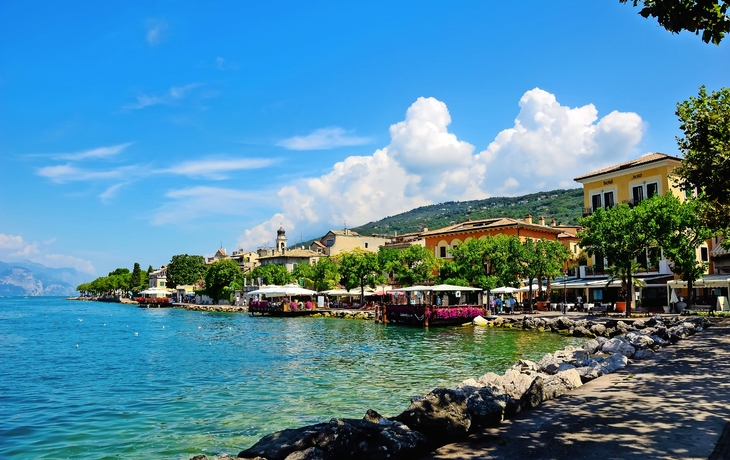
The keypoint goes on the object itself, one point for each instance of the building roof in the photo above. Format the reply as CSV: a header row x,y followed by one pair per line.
x,y
293,253
343,233
489,224
642,160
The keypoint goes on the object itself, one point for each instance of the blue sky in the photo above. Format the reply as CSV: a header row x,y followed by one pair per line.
x,y
134,131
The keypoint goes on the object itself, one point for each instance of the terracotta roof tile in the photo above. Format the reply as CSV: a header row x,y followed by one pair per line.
x,y
644,159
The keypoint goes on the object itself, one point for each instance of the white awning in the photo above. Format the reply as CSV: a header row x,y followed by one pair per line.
x,y
706,281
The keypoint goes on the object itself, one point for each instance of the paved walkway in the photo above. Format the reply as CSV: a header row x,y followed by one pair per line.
x,y
676,406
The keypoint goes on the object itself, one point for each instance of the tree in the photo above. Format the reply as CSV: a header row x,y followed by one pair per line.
x,y
359,268
705,122
417,266
489,262
621,233
221,275
390,261
272,274
303,274
184,269
680,229
707,16
325,274
138,279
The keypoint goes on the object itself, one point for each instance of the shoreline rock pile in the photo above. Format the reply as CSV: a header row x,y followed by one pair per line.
x,y
446,415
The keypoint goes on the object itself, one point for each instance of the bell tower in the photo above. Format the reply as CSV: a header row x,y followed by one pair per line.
x,y
281,240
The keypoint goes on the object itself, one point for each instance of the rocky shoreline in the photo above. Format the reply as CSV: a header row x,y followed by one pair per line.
x,y
445,415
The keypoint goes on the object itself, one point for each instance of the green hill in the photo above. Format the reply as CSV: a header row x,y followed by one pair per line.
x,y
565,206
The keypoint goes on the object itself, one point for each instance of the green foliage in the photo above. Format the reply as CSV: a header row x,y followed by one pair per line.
x,y
543,259
184,269
565,206
221,275
325,274
117,283
138,280
707,16
417,266
622,233
680,229
272,274
486,263
705,122
303,272
359,268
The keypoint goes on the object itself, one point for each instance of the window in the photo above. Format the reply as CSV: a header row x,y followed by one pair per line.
x,y
652,189
637,194
596,201
602,200
704,255
608,200
162,283
366,245
330,242
442,251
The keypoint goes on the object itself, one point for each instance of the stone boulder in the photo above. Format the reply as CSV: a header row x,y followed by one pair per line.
x,y
343,438
441,415
560,383
617,345
487,406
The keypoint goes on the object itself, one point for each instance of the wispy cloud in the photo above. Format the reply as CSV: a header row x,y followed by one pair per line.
x,y
174,96
111,191
218,169
156,31
99,152
323,139
195,202
68,173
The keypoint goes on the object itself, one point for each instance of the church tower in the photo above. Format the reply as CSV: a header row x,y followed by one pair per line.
x,y
281,240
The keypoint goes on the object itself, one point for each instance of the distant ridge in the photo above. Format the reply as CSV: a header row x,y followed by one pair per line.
x,y
563,205
33,279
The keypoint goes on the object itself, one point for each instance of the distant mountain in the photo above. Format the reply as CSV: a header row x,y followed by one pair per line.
x,y
32,279
565,206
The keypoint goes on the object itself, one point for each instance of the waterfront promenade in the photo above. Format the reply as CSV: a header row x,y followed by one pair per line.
x,y
675,406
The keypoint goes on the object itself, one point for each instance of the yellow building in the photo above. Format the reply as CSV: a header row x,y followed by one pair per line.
x,y
630,183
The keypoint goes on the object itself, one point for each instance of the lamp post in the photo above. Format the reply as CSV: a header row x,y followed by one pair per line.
x,y
565,292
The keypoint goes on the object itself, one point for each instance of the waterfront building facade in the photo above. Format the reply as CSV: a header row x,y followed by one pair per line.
x,y
337,241
630,183
158,278
442,240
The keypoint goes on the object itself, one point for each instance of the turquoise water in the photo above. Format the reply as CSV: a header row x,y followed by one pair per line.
x,y
95,380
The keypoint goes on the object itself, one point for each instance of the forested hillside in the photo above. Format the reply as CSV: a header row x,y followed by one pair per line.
x,y
565,206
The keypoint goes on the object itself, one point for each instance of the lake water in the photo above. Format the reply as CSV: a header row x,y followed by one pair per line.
x,y
88,380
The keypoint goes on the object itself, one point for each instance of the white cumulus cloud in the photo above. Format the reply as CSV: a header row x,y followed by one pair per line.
x,y
424,163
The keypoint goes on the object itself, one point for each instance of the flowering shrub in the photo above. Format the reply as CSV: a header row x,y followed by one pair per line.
x,y
150,300
466,312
